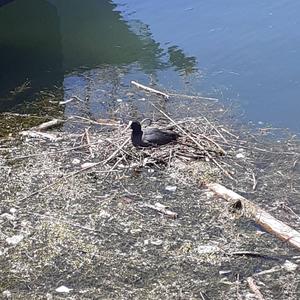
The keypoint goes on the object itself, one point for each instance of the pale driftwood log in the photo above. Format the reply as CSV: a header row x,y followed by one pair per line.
x,y
261,217
49,124
149,89
163,209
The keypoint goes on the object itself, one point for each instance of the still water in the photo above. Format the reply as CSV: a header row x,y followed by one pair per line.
x,y
247,52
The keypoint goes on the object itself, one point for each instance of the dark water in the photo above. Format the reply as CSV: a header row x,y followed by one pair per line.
x,y
243,51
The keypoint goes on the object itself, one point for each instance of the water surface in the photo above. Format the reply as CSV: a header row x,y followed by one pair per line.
x,y
246,52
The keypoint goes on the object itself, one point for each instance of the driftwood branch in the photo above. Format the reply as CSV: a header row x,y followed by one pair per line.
x,y
261,217
149,89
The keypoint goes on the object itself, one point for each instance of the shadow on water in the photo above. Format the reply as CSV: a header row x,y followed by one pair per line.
x,y
30,50
53,38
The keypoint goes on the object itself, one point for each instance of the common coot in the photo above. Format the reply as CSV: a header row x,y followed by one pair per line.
x,y
150,136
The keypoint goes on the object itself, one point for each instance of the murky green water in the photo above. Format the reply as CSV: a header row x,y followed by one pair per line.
x,y
245,52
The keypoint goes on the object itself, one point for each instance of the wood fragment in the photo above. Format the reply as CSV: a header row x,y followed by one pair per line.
x,y
254,288
149,89
49,124
38,134
163,209
88,141
261,217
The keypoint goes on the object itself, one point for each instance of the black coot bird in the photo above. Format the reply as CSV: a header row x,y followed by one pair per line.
x,y
151,136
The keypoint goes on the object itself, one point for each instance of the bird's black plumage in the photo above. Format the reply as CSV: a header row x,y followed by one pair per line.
x,y
151,136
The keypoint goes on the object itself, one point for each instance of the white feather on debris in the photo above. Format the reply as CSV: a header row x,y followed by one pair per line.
x,y
63,289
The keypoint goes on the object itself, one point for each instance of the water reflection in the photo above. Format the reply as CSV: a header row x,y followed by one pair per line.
x,y
30,50
54,38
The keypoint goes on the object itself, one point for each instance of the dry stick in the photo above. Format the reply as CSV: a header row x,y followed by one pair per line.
x,y
148,89
70,100
229,133
270,271
194,97
254,288
78,99
238,295
202,297
216,129
93,122
195,141
78,171
49,124
254,182
163,209
213,142
261,217
88,140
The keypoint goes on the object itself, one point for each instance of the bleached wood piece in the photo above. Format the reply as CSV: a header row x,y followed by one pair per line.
x,y
149,89
49,124
261,217
38,134
163,209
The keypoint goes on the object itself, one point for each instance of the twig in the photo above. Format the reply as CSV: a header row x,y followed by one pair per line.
x,y
163,209
213,142
94,122
88,140
148,89
49,124
202,297
216,129
70,100
78,99
229,133
194,97
254,288
270,271
194,140
254,182
238,295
